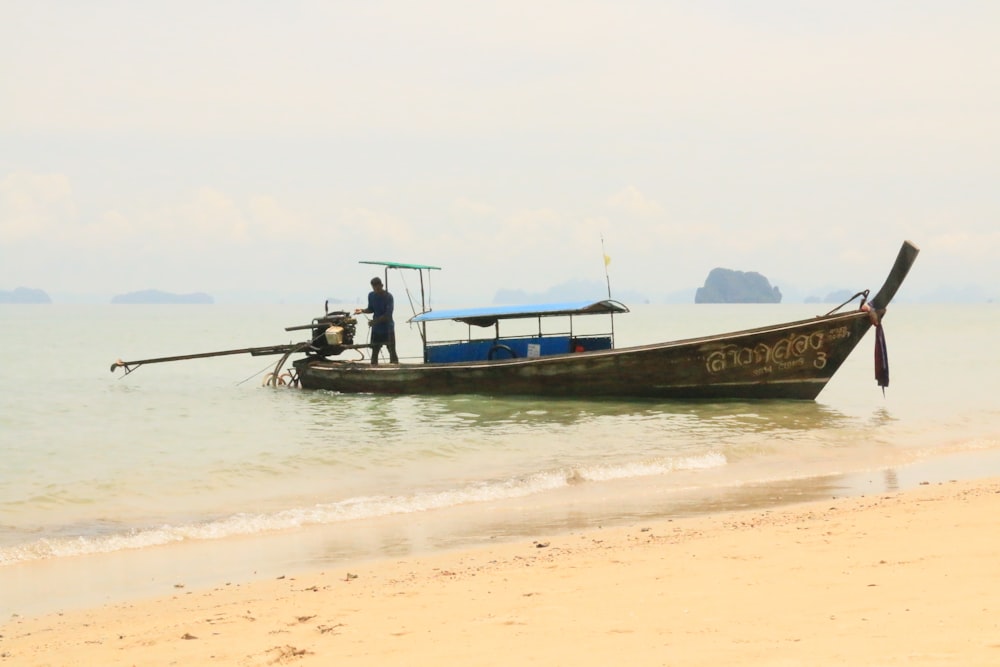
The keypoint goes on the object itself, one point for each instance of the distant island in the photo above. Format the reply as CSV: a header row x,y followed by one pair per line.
x,y
728,286
839,296
24,295
152,296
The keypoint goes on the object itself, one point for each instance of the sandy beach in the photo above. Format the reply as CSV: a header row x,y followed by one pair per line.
x,y
903,578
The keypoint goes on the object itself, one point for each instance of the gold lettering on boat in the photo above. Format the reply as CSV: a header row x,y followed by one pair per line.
x,y
838,333
763,358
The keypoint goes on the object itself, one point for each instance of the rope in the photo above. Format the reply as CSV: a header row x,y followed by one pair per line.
x,y
247,379
409,296
298,349
863,294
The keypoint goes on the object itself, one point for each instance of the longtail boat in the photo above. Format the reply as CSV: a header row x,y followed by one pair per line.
x,y
791,360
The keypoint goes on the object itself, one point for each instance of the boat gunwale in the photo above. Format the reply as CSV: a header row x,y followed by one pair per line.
x,y
337,364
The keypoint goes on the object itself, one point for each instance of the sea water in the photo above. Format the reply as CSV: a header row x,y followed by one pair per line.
x,y
193,471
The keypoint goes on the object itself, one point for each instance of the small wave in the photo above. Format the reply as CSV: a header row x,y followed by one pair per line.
x,y
646,469
352,509
981,444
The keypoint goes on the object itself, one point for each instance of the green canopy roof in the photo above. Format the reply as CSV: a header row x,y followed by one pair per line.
x,y
401,265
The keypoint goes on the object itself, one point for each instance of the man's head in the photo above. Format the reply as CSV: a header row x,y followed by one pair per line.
x,y
377,284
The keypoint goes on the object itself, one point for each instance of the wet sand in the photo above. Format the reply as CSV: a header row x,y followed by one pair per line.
x,y
902,577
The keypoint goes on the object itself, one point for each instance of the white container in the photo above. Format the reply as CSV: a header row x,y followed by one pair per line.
x,y
334,335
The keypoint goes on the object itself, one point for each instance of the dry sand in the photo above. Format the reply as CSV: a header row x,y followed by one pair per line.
x,y
907,578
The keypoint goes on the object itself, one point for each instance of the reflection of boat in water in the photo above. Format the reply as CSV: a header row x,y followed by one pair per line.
x,y
792,360
716,420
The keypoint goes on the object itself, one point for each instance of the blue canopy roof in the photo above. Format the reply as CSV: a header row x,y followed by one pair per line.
x,y
489,315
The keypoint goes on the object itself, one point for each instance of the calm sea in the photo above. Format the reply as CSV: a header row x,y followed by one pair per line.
x,y
193,473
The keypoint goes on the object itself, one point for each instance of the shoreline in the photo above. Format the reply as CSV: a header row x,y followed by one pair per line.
x,y
66,584
850,580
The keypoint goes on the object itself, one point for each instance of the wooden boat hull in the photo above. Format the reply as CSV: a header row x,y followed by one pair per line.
x,y
794,360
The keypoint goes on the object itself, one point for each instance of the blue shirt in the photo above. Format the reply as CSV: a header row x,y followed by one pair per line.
x,y
381,306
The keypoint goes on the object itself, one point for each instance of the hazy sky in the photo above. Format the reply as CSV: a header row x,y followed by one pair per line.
x,y
249,145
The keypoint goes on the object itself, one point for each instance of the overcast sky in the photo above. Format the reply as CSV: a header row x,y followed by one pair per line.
x,y
254,145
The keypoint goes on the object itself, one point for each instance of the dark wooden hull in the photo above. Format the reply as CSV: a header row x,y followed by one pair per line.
x,y
794,360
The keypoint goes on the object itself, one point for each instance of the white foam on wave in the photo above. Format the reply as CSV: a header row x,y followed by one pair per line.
x,y
351,509
659,467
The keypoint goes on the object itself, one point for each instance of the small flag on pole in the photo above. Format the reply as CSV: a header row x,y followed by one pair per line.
x,y
607,260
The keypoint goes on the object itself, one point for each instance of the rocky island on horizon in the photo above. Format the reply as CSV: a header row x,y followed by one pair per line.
x,y
728,286
24,295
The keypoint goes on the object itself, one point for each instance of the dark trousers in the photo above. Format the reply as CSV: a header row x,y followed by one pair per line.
x,y
382,339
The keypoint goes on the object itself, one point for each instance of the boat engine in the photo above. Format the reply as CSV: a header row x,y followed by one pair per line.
x,y
332,332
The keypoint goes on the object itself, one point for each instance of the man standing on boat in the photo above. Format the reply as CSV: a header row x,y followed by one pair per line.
x,y
380,305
